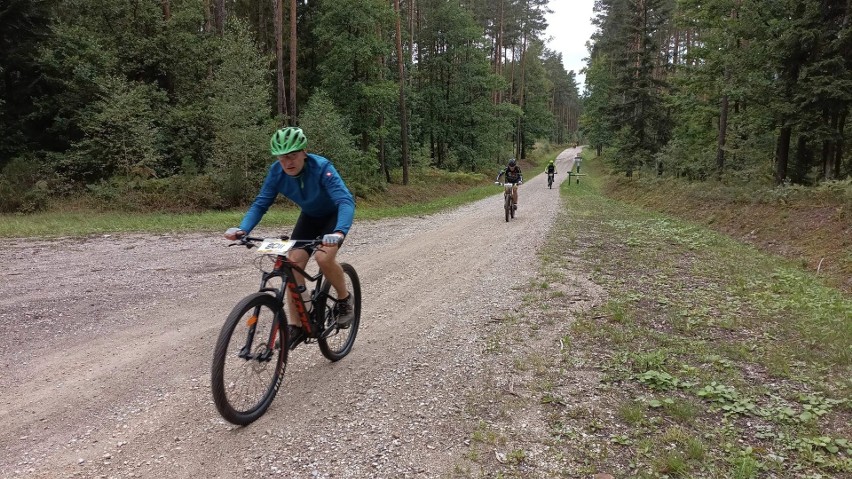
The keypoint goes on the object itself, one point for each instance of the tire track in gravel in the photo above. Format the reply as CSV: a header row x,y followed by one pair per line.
x,y
108,374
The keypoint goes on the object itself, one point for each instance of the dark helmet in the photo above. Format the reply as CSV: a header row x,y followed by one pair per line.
x,y
512,162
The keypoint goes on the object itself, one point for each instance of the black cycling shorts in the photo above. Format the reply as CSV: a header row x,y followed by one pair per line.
x,y
312,227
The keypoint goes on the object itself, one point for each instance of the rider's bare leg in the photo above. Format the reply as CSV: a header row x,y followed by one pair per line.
x,y
326,257
515,193
300,257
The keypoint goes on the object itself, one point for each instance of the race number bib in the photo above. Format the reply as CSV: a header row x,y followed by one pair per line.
x,y
275,246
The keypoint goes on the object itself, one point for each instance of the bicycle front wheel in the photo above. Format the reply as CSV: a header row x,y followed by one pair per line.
x,y
249,362
507,205
338,342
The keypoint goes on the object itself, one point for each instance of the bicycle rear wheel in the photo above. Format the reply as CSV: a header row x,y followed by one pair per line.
x,y
338,341
248,362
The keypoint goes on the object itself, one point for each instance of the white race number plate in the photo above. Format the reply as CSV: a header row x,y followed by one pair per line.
x,y
275,246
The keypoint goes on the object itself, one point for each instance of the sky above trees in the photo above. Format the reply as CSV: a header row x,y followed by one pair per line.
x,y
570,27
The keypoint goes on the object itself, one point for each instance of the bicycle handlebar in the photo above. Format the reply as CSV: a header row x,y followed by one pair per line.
x,y
251,241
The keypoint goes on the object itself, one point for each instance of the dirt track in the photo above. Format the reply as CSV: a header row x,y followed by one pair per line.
x,y
107,343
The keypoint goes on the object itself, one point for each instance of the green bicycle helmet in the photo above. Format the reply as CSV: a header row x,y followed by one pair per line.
x,y
287,140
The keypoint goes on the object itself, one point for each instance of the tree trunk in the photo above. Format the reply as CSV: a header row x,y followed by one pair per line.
x,y
838,149
219,16
512,98
167,10
720,145
802,160
826,158
782,154
278,22
166,74
208,16
294,38
826,154
521,99
383,161
723,119
676,49
498,53
403,114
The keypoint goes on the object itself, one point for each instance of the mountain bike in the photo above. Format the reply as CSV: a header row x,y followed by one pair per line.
x,y
250,356
550,180
509,205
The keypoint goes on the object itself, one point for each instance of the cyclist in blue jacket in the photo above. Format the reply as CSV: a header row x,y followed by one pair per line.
x,y
327,210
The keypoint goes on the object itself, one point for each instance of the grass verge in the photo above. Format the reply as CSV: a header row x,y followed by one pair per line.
x,y
810,225
431,191
654,347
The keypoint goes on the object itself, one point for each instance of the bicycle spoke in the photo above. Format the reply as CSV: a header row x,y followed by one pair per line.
x,y
246,372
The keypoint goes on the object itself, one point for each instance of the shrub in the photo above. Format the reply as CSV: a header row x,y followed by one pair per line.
x,y
22,189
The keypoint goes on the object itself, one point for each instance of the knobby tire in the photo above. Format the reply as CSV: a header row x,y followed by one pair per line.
x,y
243,389
507,205
339,343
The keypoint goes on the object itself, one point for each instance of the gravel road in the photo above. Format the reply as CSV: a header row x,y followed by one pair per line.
x,y
107,342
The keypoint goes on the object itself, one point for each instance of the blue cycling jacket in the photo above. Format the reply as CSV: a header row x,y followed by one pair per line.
x,y
318,190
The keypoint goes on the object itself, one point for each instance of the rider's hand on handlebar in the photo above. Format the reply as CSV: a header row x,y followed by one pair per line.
x,y
234,234
332,239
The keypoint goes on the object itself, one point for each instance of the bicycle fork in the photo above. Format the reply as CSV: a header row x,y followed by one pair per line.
x,y
266,353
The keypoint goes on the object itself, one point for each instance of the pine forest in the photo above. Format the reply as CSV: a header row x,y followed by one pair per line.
x,y
179,97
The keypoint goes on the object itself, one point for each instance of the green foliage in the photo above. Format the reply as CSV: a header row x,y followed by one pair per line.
x,y
22,189
597,125
727,398
177,193
328,136
565,100
240,97
538,118
120,131
352,35
100,92
24,25
750,312
763,96
459,119
659,380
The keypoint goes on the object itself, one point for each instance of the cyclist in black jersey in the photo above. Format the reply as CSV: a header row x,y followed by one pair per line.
x,y
551,168
514,176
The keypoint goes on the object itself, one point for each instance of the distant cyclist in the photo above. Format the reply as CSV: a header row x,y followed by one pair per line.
x,y
551,168
514,176
551,172
328,209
